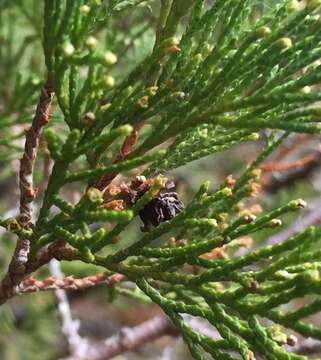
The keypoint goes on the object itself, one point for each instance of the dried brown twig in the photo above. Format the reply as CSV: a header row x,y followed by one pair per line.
x,y
56,250
18,266
69,282
291,145
81,348
282,167
27,190
129,339
78,346
125,150
278,173
285,178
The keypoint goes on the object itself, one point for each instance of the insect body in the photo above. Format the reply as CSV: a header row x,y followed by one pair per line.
x,y
163,207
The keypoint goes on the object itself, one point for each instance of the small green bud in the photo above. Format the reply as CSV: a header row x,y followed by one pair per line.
x,y
254,137
203,133
284,43
152,90
306,90
256,173
277,334
143,102
275,223
313,4
212,223
222,216
109,81
109,58
94,195
126,129
263,32
249,218
170,41
85,9
90,42
298,204
293,5
198,57
161,152
88,118
68,49
160,182
310,276
35,81
227,192
250,355
12,224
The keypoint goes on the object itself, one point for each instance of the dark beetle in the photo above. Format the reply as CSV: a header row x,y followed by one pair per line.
x,y
165,206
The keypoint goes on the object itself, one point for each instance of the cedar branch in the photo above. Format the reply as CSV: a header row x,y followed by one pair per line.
x,y
18,265
69,282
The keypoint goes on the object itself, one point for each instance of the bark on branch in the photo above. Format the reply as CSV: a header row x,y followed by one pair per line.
x,y
18,266
68,283
41,118
129,339
56,250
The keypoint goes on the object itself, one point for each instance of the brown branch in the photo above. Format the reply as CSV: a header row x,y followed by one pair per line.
x,y
276,166
56,250
129,339
41,118
18,265
125,150
68,283
291,145
273,183
70,327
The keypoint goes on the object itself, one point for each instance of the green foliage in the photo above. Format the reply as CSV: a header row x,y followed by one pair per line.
x,y
218,74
